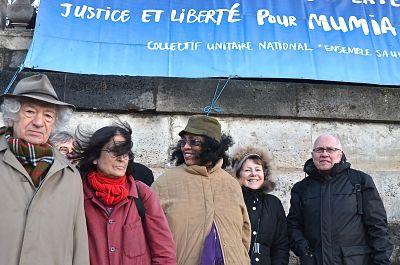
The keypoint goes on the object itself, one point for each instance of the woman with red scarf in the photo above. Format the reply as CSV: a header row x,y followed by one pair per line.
x,y
114,203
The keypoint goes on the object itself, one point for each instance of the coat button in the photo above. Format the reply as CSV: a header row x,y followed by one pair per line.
x,y
257,259
112,249
254,208
110,221
254,232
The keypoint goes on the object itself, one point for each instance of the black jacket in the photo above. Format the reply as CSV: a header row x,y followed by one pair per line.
x,y
271,233
324,223
143,173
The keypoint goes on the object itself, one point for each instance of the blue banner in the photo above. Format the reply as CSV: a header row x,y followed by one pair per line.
x,y
337,40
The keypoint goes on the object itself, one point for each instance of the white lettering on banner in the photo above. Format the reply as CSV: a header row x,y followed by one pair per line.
x,y
387,54
340,24
286,21
347,50
157,15
228,46
174,46
283,46
205,16
373,2
89,12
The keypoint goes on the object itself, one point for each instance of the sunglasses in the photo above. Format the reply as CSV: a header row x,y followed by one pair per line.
x,y
190,142
126,156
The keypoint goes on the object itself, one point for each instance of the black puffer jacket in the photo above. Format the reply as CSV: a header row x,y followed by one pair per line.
x,y
271,233
324,221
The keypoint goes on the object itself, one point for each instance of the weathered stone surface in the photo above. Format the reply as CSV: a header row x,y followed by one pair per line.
x,y
15,40
101,92
110,92
239,96
17,58
349,101
260,99
3,60
395,236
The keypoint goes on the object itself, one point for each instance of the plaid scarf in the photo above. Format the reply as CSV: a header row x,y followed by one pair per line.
x,y
36,158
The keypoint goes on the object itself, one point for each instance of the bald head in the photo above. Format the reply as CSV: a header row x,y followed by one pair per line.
x,y
327,151
329,137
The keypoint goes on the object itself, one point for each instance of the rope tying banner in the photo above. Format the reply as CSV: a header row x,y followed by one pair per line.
x,y
212,107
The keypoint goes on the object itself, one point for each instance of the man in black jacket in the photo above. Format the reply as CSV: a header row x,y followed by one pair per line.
x,y
336,215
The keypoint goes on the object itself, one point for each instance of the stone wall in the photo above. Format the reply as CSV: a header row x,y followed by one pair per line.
x,y
284,116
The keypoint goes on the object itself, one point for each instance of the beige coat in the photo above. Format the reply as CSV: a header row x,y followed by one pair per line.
x,y
193,199
43,227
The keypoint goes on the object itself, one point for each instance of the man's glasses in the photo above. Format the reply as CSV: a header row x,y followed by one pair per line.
x,y
64,150
329,150
126,156
191,142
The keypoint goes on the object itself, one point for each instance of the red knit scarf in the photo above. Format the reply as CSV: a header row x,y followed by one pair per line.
x,y
109,190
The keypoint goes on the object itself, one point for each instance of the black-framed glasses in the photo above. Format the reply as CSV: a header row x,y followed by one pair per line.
x,y
191,142
126,156
329,150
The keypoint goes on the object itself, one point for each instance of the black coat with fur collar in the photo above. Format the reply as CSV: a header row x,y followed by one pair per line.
x,y
268,226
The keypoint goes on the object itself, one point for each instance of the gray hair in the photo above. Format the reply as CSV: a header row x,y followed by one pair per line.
x,y
11,106
61,137
338,143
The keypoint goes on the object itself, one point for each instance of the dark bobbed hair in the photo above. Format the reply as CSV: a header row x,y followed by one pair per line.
x,y
211,151
88,147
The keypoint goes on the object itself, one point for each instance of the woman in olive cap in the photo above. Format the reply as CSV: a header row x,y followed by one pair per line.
x,y
203,203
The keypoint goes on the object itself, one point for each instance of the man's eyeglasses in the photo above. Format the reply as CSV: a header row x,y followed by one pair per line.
x,y
329,150
126,156
64,150
191,142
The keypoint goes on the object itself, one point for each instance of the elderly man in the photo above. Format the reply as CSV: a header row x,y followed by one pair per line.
x,y
336,215
42,215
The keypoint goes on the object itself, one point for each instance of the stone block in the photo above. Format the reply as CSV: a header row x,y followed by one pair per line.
x,y
184,95
289,148
15,40
16,59
239,96
348,101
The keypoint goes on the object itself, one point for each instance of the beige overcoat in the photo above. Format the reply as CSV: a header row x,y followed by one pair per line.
x,y
44,226
193,199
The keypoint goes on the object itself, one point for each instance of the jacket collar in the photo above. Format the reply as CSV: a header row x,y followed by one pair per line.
x,y
312,171
252,193
202,170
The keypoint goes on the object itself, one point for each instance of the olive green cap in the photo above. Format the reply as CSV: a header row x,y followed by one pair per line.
x,y
203,125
